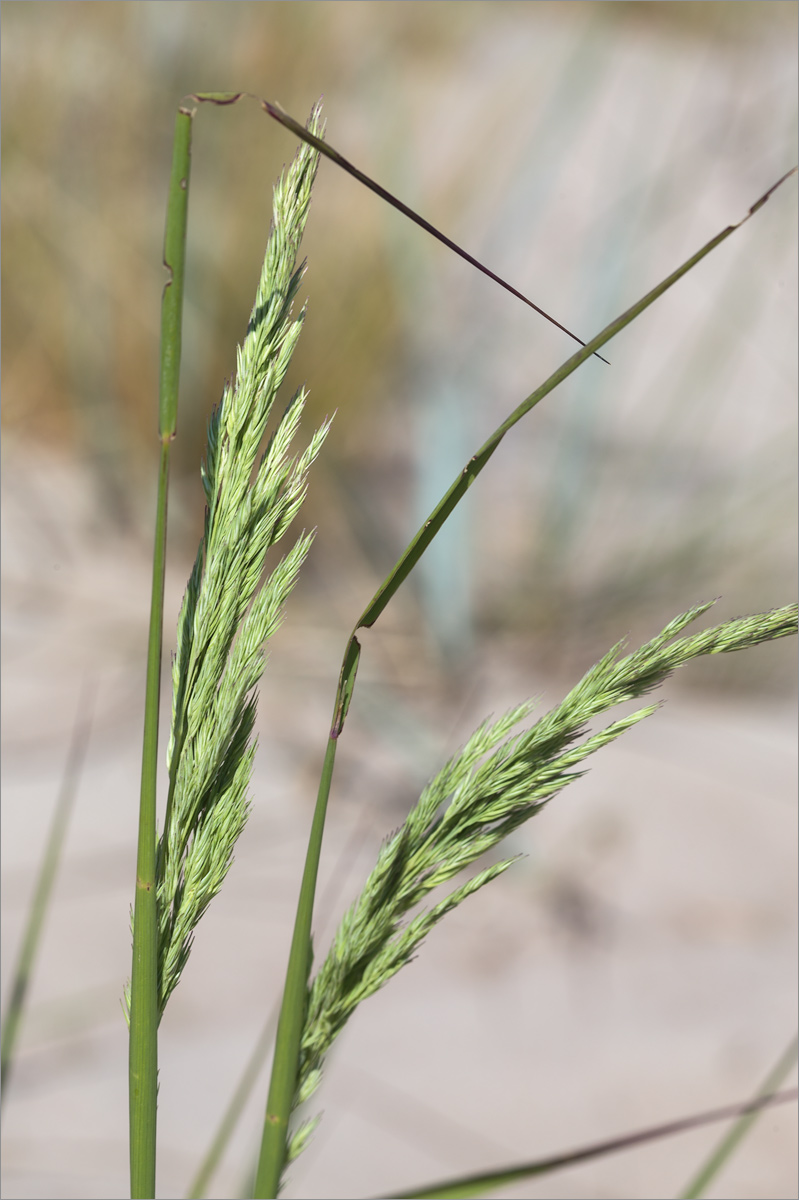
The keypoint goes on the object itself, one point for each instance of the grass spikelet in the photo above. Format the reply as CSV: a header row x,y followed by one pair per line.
x,y
230,608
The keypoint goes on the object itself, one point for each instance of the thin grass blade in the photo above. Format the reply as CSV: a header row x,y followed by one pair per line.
x,y
467,476
20,980
490,1181
282,117
274,1148
264,1044
734,1136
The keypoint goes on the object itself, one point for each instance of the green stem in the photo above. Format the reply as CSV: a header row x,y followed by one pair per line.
x,y
144,998
199,1184
327,904
143,1060
283,1083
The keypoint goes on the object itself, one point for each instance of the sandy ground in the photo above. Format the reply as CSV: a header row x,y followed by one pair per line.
x,y
637,965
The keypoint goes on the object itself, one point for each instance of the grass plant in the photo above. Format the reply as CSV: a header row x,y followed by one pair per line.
x,y
497,781
508,770
229,612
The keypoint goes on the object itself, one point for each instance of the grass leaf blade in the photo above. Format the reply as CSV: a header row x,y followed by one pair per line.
x,y
467,476
723,1151
489,1181
31,937
282,117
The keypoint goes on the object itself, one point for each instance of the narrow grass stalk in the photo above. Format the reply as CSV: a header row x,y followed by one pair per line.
x,y
285,1067
31,937
286,1064
734,1136
144,1011
228,615
489,1181
496,783
457,490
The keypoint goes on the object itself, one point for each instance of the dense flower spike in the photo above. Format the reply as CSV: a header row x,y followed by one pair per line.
x,y
230,610
493,785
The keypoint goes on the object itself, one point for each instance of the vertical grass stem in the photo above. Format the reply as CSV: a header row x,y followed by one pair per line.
x,y
285,1068
143,1057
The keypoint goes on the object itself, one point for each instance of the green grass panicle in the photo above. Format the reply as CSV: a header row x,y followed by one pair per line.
x,y
230,609
492,786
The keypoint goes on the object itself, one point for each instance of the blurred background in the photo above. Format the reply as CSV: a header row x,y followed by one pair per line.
x,y
582,151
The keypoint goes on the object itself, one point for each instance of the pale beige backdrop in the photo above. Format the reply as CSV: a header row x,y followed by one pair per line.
x,y
639,962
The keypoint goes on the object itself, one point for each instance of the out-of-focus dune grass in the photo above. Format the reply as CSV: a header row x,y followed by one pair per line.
x,y
581,150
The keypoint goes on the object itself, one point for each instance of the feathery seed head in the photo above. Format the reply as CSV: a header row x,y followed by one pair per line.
x,y
231,608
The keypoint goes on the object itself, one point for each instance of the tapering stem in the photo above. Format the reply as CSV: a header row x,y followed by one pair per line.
x,y
285,1068
143,1058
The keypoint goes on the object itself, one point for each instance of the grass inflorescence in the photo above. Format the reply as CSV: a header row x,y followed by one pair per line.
x,y
231,608
493,785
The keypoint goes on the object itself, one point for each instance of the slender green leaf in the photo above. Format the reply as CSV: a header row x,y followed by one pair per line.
x,y
735,1135
264,1044
31,937
274,1151
490,1181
